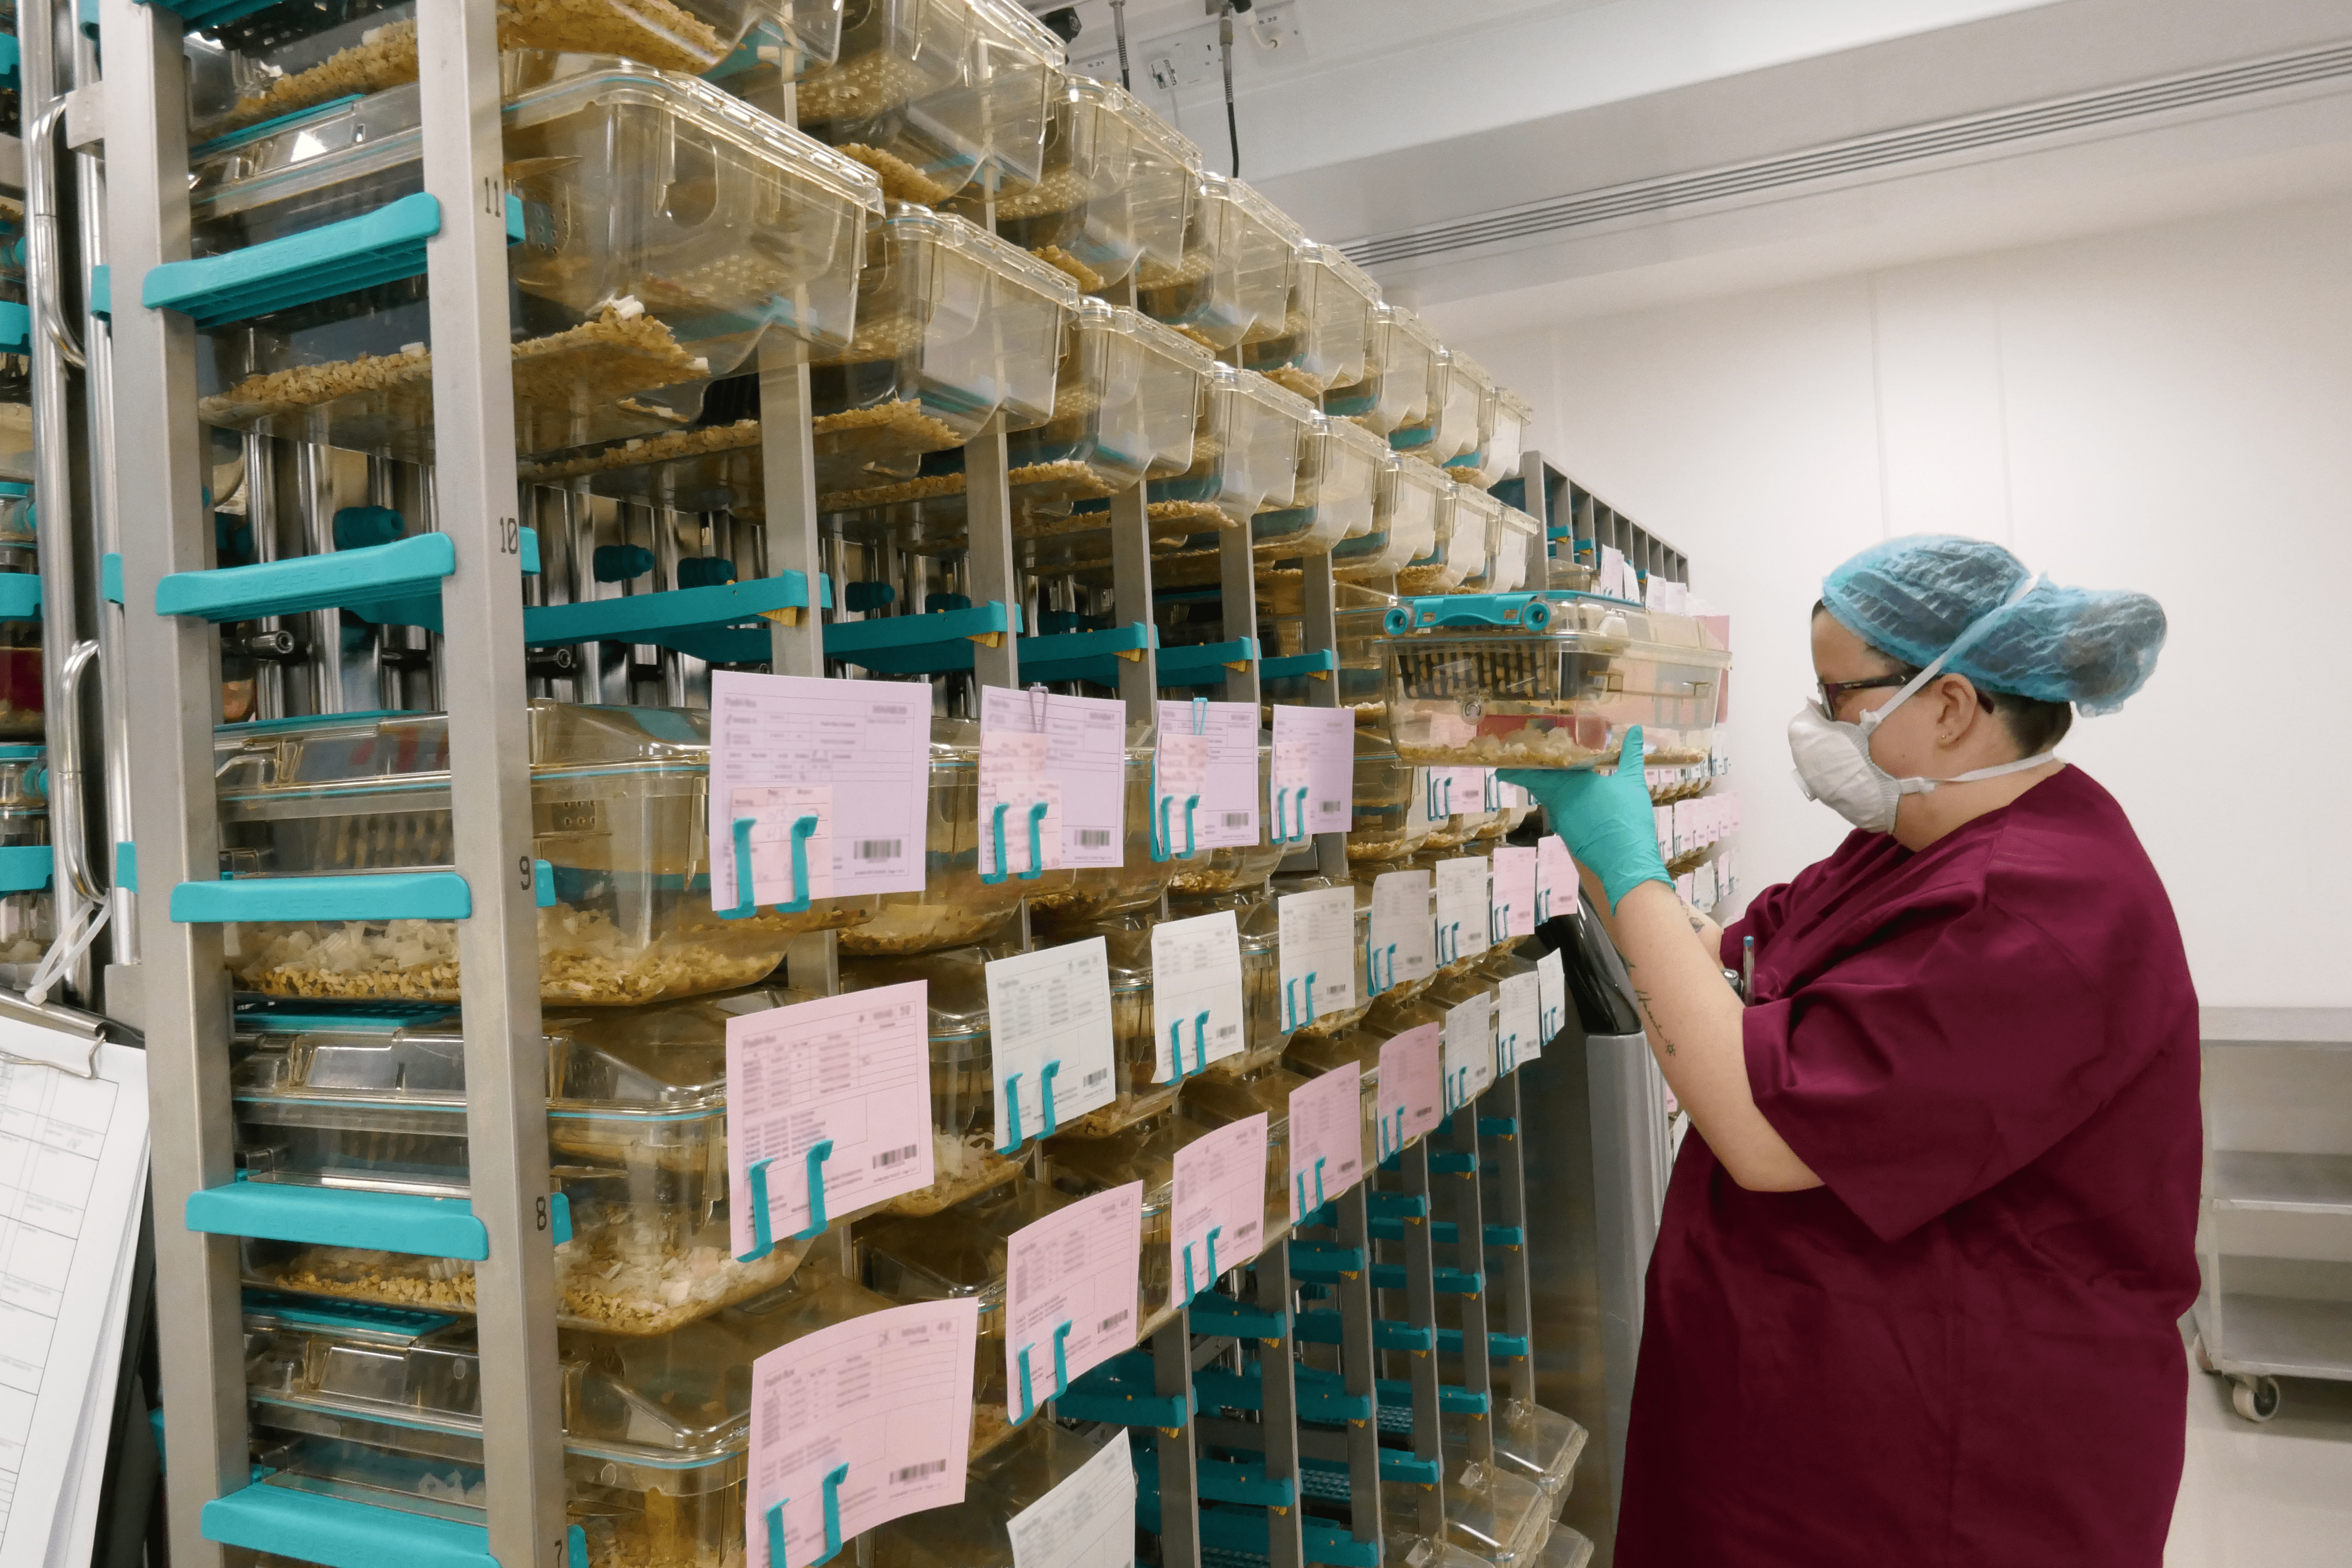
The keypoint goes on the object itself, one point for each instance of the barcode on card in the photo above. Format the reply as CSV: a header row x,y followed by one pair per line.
x,y
1094,837
1332,806
1114,1320
877,848
1225,1031
1237,818
894,1156
917,1472
1095,1077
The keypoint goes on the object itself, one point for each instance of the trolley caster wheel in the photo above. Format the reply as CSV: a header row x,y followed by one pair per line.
x,y
2254,1398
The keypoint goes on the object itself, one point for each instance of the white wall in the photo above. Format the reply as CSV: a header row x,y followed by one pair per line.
x,y
2167,409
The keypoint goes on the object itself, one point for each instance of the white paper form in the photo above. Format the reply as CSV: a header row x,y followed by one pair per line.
x,y
1556,884
1314,770
1411,1088
1087,1521
851,1072
1518,1021
1314,941
1070,1285
1469,1055
865,744
1196,993
1551,997
883,1402
1461,922
1049,1033
1227,814
1326,1139
1512,898
1086,760
1217,1204
1018,805
73,1167
1401,948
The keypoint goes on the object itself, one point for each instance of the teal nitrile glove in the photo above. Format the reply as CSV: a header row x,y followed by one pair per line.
x,y
1604,818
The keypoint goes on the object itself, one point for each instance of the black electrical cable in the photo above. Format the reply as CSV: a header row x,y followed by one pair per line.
x,y
1119,27
1226,48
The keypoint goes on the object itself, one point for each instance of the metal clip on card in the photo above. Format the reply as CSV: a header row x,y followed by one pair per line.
x,y
833,1479
745,904
1061,1372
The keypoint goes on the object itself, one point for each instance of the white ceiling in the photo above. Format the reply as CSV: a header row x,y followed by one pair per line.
x,y
1375,118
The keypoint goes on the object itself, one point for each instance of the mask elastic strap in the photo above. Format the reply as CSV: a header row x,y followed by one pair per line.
x,y
1922,787
1968,636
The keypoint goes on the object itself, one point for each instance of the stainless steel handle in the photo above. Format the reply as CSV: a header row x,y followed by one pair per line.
x,y
41,261
68,828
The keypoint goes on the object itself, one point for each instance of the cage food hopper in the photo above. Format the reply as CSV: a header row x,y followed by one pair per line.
x,y
620,820
385,1405
1232,282
953,326
1125,403
658,229
374,1098
1459,550
956,906
1400,356
296,55
1549,680
1078,209
902,96
1406,505
965,1159
28,903
1248,443
1327,327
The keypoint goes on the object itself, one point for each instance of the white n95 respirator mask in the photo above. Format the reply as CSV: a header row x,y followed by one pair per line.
x,y
1833,762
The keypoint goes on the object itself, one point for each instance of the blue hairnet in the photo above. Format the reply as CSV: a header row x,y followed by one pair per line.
x,y
1913,597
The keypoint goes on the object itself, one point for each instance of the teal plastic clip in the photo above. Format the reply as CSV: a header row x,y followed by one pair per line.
x,y
833,1479
1036,844
1200,1046
1061,1372
1013,1103
1305,1209
542,884
1291,1019
756,1173
1387,1145
1454,929
1163,840
1282,833
1210,1242
1543,905
1499,923
745,905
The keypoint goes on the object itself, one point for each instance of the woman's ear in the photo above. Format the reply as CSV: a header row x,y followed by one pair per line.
x,y
1957,709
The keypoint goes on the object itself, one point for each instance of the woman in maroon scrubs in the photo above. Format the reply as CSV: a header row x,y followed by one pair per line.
x,y
1915,1296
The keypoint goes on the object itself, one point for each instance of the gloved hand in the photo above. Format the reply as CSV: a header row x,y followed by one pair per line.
x,y
1605,818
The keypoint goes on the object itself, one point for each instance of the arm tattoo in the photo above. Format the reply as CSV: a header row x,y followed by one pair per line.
x,y
1643,997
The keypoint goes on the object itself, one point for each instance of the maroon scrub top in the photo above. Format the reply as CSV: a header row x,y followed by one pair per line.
x,y
1962,1348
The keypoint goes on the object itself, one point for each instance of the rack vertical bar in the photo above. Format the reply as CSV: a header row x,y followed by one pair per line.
x,y
1130,583
489,781
987,554
1180,1487
1470,1257
1421,1311
186,1000
1278,1388
1516,1290
1359,1366
1320,628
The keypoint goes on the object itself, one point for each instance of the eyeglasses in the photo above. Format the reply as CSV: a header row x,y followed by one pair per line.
x,y
1833,691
